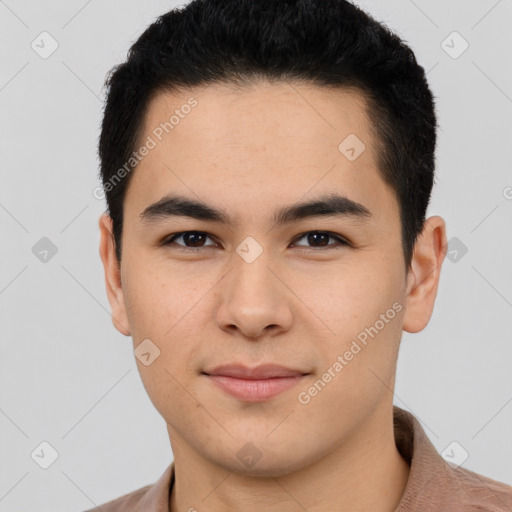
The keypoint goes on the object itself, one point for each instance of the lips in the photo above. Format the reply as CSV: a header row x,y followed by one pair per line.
x,y
265,371
254,384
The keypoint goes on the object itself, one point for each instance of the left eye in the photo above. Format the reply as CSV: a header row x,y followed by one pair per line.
x,y
321,238
197,239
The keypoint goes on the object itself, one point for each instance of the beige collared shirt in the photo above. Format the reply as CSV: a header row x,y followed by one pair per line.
x,y
434,485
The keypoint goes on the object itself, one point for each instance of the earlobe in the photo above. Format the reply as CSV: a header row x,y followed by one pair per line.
x,y
112,275
424,274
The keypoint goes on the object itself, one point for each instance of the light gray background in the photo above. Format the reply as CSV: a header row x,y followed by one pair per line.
x,y
69,378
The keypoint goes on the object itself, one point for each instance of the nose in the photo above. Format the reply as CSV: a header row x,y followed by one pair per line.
x,y
254,302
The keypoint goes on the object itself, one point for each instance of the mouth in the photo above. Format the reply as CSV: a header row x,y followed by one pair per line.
x,y
254,384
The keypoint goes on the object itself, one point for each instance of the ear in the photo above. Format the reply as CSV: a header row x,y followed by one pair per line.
x,y
423,275
112,275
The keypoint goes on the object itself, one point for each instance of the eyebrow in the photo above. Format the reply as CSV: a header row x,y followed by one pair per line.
x,y
327,205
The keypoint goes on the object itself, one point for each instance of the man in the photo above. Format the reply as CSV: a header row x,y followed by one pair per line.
x,y
267,166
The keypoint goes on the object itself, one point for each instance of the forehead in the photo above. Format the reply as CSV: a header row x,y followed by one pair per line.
x,y
257,144
262,114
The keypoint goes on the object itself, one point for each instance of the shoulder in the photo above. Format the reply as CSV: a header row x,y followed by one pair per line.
x,y
129,501
478,493
150,497
436,485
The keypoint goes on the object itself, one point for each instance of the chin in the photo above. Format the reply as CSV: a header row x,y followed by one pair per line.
x,y
267,468
255,461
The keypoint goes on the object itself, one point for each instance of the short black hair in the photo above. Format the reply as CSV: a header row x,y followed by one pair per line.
x,y
329,43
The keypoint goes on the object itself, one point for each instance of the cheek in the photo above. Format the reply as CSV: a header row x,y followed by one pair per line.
x,y
158,299
166,308
358,362
166,387
161,309
345,300
363,310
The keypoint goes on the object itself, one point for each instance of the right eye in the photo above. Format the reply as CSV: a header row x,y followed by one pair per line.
x,y
194,238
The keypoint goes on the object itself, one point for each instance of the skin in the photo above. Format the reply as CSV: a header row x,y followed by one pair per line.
x,y
251,151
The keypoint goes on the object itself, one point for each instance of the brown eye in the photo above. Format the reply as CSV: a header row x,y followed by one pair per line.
x,y
190,239
320,239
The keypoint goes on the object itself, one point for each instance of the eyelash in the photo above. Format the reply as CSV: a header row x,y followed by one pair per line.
x,y
341,241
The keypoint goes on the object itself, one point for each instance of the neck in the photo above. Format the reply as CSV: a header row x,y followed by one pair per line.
x,y
365,472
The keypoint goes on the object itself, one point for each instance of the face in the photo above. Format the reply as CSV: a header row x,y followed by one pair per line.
x,y
293,258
